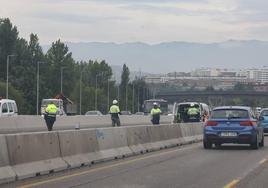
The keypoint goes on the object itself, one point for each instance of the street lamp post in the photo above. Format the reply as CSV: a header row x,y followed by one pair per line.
x,y
37,87
96,93
126,97
108,95
7,74
61,78
80,93
80,90
118,92
138,106
133,95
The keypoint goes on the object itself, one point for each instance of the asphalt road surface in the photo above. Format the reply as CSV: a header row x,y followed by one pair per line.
x,y
187,166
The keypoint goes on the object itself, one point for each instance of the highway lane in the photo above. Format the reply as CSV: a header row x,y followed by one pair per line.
x,y
187,167
257,178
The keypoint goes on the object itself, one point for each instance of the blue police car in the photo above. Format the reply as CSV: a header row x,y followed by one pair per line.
x,y
233,124
263,119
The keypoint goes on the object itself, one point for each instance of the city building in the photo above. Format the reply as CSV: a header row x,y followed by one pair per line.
x,y
259,75
212,77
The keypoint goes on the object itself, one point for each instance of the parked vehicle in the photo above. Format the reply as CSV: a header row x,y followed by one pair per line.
x,y
263,119
93,113
233,124
139,113
149,104
65,105
180,112
57,102
8,108
125,113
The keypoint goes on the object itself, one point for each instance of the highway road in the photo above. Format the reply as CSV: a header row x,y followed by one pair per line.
x,y
187,166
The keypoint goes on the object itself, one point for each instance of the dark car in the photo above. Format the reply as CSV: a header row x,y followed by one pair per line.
x,y
233,124
125,113
263,119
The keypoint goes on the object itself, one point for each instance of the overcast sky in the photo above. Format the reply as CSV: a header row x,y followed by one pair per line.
x,y
151,21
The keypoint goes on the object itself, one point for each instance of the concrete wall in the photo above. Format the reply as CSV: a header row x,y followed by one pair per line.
x,y
28,123
6,172
30,154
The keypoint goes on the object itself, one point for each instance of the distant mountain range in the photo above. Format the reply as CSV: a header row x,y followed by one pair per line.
x,y
174,56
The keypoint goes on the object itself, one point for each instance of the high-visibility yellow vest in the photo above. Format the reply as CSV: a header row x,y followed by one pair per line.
x,y
114,109
51,109
155,111
193,111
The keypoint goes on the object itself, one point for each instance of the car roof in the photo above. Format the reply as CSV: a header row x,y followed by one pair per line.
x,y
155,100
232,107
6,100
187,103
264,109
93,111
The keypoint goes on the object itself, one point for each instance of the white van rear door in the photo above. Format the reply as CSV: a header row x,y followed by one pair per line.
x,y
4,109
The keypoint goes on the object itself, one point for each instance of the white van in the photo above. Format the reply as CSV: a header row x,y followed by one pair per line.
x,y
57,102
180,112
8,108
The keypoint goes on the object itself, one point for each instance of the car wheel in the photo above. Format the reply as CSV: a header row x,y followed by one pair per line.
x,y
262,141
218,145
207,145
255,145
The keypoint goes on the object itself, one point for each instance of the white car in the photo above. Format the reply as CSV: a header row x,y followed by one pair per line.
x,y
8,108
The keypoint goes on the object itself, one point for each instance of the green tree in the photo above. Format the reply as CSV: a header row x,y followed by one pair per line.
x,y
8,37
60,61
89,72
15,95
23,70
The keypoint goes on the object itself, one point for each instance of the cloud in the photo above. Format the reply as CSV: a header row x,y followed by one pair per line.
x,y
151,21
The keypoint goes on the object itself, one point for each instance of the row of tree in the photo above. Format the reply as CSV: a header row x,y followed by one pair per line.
x,y
56,71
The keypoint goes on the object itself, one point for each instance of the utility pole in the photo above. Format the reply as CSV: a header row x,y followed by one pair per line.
x,y
126,98
37,87
133,97
61,78
7,73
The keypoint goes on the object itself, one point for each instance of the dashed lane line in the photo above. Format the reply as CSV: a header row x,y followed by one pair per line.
x,y
262,161
232,183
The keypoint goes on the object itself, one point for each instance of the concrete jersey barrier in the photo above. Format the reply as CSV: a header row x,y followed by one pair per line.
x,y
79,148
34,154
30,154
6,172
30,123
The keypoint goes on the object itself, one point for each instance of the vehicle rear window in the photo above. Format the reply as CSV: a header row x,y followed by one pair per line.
x,y
4,108
10,107
185,107
230,114
264,113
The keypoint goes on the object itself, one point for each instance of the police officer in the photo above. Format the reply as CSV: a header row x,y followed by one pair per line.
x,y
114,111
50,115
155,113
193,112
